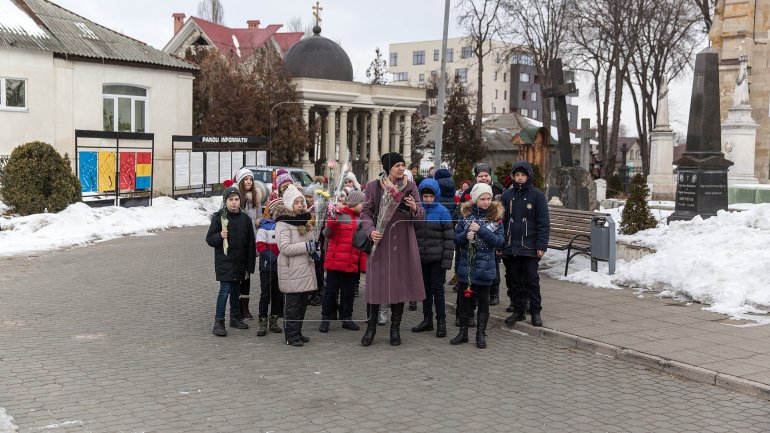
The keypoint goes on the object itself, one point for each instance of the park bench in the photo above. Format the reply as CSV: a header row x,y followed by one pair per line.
x,y
571,231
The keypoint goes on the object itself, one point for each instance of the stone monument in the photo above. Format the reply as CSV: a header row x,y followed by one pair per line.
x,y
662,179
702,170
739,132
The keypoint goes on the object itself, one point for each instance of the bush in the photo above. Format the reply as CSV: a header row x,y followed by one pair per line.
x,y
636,214
539,181
37,177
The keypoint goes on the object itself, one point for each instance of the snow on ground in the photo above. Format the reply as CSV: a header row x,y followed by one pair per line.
x,y
6,423
721,261
80,224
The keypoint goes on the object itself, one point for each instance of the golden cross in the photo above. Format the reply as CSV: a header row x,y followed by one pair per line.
x,y
317,12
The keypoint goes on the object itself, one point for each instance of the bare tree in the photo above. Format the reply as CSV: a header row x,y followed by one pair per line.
x,y
668,43
478,18
211,10
538,29
295,24
618,22
706,11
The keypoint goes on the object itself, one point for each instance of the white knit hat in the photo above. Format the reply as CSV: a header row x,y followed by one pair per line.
x,y
350,175
290,195
479,189
242,174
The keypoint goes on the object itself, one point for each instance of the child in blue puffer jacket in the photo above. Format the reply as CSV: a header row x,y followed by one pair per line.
x,y
478,233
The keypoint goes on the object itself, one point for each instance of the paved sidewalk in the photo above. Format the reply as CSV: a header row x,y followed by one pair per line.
x,y
661,334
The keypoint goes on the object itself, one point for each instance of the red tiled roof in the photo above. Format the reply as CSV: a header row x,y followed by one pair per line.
x,y
287,40
249,39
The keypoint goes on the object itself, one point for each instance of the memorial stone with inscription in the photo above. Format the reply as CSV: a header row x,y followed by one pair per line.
x,y
702,170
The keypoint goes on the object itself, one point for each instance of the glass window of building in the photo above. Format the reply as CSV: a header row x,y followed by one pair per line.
x,y
393,59
124,108
418,57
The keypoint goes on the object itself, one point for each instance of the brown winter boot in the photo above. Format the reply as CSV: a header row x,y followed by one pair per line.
x,y
244,304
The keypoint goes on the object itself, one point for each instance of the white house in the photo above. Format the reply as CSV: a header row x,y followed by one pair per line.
x,y
60,72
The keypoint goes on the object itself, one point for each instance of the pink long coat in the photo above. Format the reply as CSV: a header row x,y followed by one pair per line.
x,y
393,272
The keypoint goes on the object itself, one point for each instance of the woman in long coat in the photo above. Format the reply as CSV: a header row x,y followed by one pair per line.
x,y
393,273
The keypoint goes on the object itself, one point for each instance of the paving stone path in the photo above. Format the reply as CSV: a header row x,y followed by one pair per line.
x,y
116,337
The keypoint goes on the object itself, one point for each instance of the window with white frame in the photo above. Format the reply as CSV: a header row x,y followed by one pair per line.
x,y
393,59
524,112
400,76
13,93
534,114
524,77
124,108
533,97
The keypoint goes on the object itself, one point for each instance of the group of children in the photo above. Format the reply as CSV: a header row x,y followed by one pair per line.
x,y
292,261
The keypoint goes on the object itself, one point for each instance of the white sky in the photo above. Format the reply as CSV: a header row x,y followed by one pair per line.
x,y
360,27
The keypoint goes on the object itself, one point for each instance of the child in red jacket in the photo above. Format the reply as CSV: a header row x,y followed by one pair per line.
x,y
343,262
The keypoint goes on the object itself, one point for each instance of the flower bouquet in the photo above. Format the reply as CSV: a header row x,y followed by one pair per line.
x,y
391,199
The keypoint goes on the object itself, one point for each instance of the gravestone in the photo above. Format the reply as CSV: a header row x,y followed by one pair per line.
x,y
585,143
701,188
574,186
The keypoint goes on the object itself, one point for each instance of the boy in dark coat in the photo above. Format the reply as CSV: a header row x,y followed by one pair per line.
x,y
231,234
447,188
435,238
526,224
478,233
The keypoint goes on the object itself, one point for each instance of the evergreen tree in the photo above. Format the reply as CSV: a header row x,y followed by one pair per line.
x,y
378,69
419,131
636,213
460,141
501,171
615,187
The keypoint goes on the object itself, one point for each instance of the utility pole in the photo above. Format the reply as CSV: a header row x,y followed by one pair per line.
x,y
441,92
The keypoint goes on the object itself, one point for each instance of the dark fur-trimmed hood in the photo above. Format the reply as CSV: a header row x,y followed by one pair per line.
x,y
283,214
494,213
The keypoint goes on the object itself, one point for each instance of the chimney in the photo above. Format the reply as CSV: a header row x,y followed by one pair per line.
x,y
253,24
178,21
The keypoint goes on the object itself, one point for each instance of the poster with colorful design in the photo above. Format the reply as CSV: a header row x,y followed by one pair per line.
x,y
143,170
107,171
127,171
87,165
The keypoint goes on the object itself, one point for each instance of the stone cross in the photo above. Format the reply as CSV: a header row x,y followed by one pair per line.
x,y
585,143
317,12
559,93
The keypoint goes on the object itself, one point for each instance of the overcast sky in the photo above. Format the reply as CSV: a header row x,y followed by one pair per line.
x,y
359,25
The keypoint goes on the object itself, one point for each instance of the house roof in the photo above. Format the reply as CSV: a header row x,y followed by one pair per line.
x,y
68,34
244,42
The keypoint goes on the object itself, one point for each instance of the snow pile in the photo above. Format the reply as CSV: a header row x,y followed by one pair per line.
x,y
6,423
721,261
80,224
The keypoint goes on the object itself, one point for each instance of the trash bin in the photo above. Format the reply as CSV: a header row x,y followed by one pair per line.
x,y
603,242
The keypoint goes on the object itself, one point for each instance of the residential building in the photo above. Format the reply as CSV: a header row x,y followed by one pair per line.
x,y
60,72
240,43
418,63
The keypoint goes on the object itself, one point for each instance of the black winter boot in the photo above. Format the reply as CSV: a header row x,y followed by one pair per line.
x,y
471,321
481,329
219,328
397,311
236,322
324,327
273,324
244,304
536,320
262,327
425,325
515,317
441,328
372,311
412,306
350,324
462,337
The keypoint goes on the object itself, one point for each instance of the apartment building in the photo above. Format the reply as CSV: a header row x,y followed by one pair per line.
x,y
417,64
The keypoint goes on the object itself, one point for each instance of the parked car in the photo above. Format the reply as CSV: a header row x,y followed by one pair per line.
x,y
265,174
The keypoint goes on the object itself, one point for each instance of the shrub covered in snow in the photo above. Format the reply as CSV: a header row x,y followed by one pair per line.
x,y
37,178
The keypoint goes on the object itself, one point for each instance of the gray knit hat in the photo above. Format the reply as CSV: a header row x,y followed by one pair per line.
x,y
355,197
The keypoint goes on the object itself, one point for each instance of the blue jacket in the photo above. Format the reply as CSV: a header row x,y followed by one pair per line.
x,y
526,220
447,186
489,238
435,235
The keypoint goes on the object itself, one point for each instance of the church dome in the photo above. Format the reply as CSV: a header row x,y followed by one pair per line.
x,y
318,57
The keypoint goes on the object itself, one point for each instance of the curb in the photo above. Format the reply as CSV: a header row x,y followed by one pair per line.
x,y
653,362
